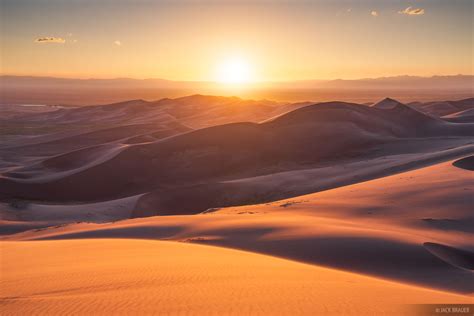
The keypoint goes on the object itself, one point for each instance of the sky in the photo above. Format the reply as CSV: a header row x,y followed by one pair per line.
x,y
263,40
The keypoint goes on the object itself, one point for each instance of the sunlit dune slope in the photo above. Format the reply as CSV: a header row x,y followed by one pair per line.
x,y
416,227
143,277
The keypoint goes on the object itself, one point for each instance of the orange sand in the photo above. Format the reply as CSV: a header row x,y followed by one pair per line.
x,y
143,277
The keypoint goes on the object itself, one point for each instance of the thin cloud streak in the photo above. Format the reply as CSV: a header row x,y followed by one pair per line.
x,y
412,11
50,39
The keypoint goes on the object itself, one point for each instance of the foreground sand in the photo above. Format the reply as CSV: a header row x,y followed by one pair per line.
x,y
103,276
384,228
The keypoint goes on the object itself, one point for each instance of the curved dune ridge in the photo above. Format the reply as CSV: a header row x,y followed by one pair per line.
x,y
465,163
144,277
457,257
442,108
465,116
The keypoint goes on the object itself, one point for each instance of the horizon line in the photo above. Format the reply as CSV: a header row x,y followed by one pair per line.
x,y
250,83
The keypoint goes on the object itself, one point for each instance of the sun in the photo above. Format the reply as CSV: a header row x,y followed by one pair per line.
x,y
234,71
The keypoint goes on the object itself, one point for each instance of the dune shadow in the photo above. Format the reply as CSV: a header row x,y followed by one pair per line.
x,y
465,163
429,265
456,257
403,262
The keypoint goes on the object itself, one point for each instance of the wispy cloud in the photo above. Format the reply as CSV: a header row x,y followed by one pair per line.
x,y
412,11
50,39
374,13
118,43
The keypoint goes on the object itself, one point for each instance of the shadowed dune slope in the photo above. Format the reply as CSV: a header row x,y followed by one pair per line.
x,y
152,277
457,257
466,116
465,163
231,151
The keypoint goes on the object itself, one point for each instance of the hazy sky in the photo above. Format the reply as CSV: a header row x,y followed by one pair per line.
x,y
278,40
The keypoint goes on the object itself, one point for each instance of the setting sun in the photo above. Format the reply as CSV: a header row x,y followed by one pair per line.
x,y
234,71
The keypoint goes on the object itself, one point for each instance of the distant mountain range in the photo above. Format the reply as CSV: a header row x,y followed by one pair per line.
x,y
412,82
458,82
49,90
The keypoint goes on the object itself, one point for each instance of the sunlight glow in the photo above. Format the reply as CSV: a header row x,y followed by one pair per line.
x,y
234,71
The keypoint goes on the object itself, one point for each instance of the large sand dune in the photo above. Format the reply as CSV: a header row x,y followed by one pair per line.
x,y
295,140
225,165
119,120
379,228
29,136
151,277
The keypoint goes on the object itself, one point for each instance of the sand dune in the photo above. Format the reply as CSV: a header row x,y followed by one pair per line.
x,y
465,116
457,257
442,108
465,163
143,277
279,185
377,227
240,150
31,136
197,110
387,103
12,111
36,150
19,215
